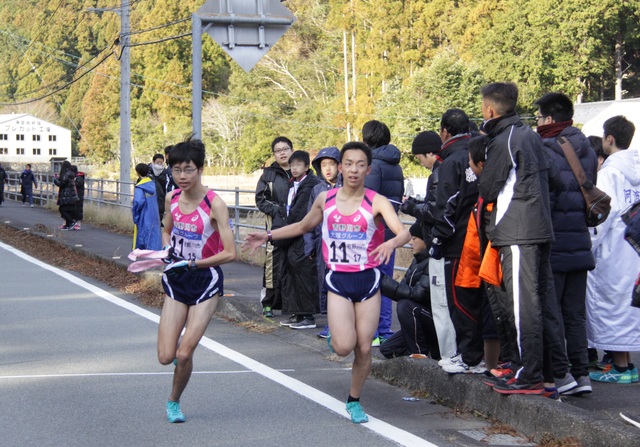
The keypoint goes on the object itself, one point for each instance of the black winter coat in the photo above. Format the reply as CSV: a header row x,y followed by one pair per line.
x,y
456,195
271,195
415,284
571,249
299,282
67,195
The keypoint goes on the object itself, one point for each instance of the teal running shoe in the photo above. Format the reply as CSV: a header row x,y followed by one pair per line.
x,y
329,344
173,412
358,416
611,375
634,375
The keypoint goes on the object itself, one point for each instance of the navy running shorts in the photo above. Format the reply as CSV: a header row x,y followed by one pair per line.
x,y
194,287
354,286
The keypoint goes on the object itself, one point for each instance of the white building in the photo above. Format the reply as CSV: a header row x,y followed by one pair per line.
x,y
592,115
27,139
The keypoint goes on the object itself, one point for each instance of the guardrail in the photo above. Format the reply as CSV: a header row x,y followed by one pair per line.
x,y
103,192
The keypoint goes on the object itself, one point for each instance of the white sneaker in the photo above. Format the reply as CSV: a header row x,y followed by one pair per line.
x,y
463,368
455,358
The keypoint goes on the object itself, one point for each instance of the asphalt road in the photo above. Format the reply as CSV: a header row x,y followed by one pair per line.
x,y
78,368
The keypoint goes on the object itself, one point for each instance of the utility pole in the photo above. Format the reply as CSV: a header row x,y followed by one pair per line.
x,y
125,104
124,190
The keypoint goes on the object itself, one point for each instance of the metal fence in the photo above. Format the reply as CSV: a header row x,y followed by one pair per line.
x,y
101,192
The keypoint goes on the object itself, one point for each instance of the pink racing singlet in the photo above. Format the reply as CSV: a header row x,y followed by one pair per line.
x,y
192,236
347,241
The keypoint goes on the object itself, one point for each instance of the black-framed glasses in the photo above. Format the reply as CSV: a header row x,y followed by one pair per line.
x,y
541,117
281,150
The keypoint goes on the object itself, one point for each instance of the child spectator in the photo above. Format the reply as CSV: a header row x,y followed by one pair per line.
x,y
326,164
299,282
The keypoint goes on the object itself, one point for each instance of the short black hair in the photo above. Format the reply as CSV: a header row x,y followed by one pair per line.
x,y
281,140
302,156
621,129
376,134
478,148
596,145
167,150
142,169
156,156
190,150
455,121
556,105
357,145
503,96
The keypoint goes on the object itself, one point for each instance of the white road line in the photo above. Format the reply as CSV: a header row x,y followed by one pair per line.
x,y
378,426
159,373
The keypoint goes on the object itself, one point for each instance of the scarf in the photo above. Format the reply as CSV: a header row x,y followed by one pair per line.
x,y
553,129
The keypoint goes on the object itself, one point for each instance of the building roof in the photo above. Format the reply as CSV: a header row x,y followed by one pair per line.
x,y
592,115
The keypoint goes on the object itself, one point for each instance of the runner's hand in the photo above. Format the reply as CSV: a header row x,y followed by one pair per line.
x,y
384,252
176,268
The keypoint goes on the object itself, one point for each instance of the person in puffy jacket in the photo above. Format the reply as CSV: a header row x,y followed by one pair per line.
x,y
385,178
144,209
417,334
571,256
67,195
27,183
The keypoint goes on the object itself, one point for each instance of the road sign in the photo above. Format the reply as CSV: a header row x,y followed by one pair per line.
x,y
245,29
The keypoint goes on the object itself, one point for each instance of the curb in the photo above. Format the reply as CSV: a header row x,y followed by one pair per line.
x,y
533,416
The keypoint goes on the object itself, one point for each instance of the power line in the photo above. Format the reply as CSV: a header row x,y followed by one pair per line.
x,y
158,27
151,42
45,27
54,83
60,88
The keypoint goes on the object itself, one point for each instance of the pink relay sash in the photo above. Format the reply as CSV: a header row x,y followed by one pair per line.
x,y
151,259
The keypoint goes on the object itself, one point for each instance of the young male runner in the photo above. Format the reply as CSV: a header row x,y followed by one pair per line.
x,y
353,247
196,227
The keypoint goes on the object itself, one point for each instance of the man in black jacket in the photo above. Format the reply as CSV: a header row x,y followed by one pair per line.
x,y
427,147
456,195
571,255
417,334
271,198
515,178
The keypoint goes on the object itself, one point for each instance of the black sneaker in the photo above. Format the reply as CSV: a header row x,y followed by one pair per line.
x,y
291,320
515,386
307,323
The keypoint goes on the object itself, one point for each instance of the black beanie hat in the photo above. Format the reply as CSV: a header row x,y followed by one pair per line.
x,y
416,230
300,156
426,142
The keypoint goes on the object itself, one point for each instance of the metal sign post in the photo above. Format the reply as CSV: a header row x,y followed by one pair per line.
x,y
246,30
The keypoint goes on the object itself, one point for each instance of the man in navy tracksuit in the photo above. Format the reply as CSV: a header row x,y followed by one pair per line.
x,y
456,195
515,178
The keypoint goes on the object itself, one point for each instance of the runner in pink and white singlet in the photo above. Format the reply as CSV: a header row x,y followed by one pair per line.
x,y
192,236
347,241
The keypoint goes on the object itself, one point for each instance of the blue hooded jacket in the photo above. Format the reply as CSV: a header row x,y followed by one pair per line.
x,y
313,239
146,217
